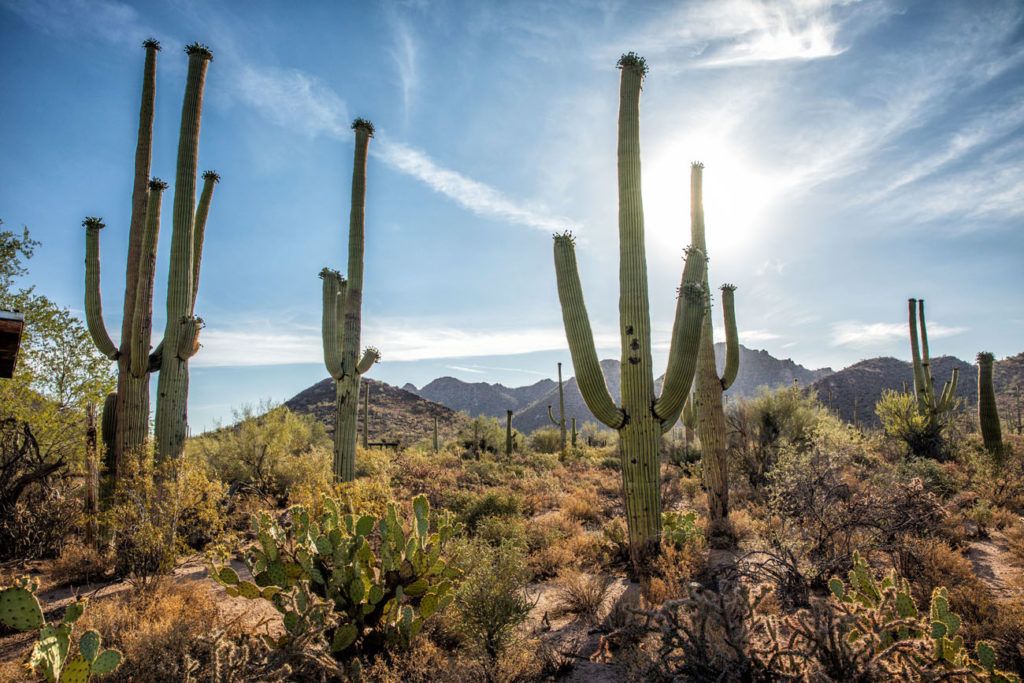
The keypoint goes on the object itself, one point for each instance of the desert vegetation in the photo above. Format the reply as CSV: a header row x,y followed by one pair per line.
x,y
775,541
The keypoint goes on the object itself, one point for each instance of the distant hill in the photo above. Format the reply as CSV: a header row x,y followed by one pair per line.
x,y
482,398
395,414
864,382
530,403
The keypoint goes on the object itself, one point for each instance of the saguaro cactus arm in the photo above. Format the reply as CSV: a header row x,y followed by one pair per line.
x,y
210,179
691,305
188,342
93,298
915,352
370,356
949,391
580,336
926,358
330,326
142,321
732,344
551,416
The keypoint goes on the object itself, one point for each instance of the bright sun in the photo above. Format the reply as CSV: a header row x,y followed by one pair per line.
x,y
735,195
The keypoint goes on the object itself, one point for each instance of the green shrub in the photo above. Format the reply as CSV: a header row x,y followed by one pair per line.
x,y
680,529
493,503
901,420
546,440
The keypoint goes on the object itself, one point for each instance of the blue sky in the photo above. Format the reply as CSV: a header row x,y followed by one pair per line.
x,y
857,153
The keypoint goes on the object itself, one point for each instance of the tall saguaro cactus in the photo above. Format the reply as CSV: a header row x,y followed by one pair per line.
x,y
560,422
931,407
342,318
642,417
988,413
708,386
181,330
126,413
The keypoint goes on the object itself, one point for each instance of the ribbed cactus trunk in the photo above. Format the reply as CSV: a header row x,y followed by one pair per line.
x,y
342,318
92,478
643,417
560,422
573,433
988,412
366,416
508,433
708,386
181,332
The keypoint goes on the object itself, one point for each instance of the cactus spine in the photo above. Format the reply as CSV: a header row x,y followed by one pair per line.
x,y
708,386
932,408
642,418
560,422
181,331
988,412
342,318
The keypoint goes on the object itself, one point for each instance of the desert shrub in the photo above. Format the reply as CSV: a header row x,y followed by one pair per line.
x,y
481,434
78,564
596,436
546,440
159,631
938,478
583,505
581,594
493,503
306,476
199,499
672,572
220,658
761,425
259,448
359,585
500,530
369,496
680,529
549,540
901,420
492,600
38,508
611,463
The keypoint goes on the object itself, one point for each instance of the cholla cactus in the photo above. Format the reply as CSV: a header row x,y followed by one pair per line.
x,y
381,579
642,417
560,422
126,413
988,412
342,318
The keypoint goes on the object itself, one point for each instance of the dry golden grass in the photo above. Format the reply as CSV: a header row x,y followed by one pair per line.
x,y
581,594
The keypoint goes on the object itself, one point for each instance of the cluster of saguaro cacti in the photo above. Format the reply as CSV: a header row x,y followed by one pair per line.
x,y
932,407
708,386
382,579
51,657
126,413
642,417
342,318
988,412
560,422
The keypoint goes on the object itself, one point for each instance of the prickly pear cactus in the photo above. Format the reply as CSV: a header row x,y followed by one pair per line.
x,y
19,608
361,581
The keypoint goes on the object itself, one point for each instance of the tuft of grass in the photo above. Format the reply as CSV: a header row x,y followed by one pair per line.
x,y
582,594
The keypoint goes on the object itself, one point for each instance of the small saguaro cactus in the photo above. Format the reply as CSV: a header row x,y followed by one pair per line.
x,y
508,433
342,318
560,422
988,412
435,434
573,442
642,417
126,413
708,386
928,405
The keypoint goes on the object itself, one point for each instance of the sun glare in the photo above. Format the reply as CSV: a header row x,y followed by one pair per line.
x,y
735,196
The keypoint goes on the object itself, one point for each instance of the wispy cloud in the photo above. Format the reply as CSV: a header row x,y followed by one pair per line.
x,y
404,53
478,197
463,368
858,335
105,20
293,99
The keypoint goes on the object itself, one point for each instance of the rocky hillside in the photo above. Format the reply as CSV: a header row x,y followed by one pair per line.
x,y
395,414
482,398
853,391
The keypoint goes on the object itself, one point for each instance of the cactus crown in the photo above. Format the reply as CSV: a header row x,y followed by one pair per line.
x,y
157,184
363,124
330,272
212,175
151,44
94,223
633,61
728,286
693,252
696,164
565,236
986,357
200,50
692,291
372,350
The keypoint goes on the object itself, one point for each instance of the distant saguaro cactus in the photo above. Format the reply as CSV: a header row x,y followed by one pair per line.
x,y
708,386
342,318
931,407
435,434
560,422
508,433
988,412
366,416
642,418
126,413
